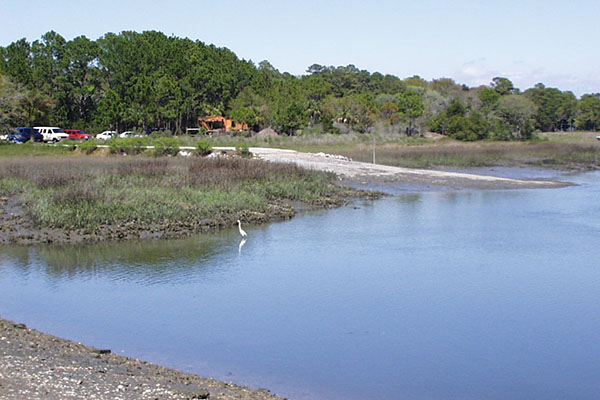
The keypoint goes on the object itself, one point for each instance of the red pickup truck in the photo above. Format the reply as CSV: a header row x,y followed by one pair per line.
x,y
77,134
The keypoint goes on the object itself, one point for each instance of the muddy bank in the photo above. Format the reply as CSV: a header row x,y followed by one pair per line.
x,y
34,365
16,227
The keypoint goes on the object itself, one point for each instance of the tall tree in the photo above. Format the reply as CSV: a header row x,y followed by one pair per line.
x,y
518,112
48,62
410,104
503,86
11,96
16,63
588,112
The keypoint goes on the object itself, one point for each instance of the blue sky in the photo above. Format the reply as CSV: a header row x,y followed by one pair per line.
x,y
527,41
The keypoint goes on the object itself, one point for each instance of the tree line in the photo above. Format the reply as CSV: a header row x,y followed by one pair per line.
x,y
149,80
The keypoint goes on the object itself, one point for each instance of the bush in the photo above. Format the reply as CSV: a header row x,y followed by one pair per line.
x,y
243,151
203,148
128,146
160,133
165,146
88,146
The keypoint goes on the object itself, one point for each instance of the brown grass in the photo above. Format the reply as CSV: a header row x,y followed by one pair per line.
x,y
543,154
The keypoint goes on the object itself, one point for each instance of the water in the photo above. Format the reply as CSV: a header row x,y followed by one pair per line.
x,y
439,295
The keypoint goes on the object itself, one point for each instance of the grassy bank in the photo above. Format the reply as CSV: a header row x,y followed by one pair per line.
x,y
150,194
567,156
32,149
559,150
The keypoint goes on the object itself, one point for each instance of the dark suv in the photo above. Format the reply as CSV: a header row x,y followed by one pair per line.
x,y
22,134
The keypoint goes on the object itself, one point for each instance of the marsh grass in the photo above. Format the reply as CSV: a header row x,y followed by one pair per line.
x,y
87,192
540,154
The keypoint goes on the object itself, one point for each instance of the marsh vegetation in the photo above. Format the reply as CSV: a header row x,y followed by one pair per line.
x,y
187,194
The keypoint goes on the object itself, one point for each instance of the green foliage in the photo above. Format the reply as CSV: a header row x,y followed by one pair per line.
x,y
474,127
128,145
161,133
88,146
503,86
411,106
489,99
32,149
10,98
165,146
148,80
456,108
94,192
589,112
203,148
517,111
555,109
243,151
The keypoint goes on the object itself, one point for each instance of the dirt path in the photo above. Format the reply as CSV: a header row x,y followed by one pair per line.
x,y
360,171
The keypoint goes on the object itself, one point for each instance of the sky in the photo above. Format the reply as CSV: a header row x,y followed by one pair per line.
x,y
527,41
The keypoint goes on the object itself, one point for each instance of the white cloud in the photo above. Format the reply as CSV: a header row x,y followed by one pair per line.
x,y
476,73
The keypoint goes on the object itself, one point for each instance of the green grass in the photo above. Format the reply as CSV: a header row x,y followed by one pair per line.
x,y
33,149
88,192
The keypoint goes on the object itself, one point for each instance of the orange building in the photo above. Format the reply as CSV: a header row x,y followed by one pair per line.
x,y
214,122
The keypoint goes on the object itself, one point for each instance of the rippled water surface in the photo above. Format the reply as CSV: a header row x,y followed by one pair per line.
x,y
439,295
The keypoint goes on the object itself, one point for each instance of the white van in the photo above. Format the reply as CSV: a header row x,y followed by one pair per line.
x,y
51,133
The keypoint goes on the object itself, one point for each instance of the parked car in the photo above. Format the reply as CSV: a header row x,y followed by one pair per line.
x,y
77,134
106,135
51,133
126,134
23,134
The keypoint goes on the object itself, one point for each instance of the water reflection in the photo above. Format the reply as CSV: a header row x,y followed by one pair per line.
x,y
149,262
242,243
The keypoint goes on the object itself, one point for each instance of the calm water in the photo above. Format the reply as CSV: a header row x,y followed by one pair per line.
x,y
439,295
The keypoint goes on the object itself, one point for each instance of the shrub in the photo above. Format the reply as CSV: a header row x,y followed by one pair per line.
x,y
243,151
160,133
203,148
165,146
128,145
88,146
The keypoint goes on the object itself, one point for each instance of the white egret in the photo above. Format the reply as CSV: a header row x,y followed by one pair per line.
x,y
242,232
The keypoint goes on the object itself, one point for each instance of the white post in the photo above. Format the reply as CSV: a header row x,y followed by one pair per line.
x,y
373,135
